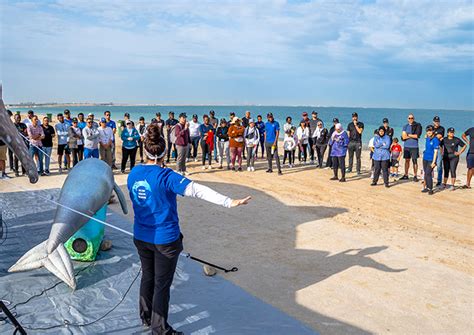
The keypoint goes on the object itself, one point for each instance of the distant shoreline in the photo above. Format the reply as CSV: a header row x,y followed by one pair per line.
x,y
111,104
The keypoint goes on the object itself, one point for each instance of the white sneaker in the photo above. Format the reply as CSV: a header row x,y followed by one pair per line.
x,y
372,176
249,169
204,167
209,167
195,159
253,169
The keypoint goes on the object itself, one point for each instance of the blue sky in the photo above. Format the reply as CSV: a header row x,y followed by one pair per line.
x,y
413,54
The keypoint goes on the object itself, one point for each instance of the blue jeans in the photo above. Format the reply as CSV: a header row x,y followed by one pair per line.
x,y
47,157
35,151
215,147
91,153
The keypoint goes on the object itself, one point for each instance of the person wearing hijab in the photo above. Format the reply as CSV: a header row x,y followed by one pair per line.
x,y
339,142
320,140
381,156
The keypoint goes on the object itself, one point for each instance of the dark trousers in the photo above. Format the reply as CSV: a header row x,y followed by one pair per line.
x,y
270,156
289,154
206,153
158,268
339,163
140,150
311,144
262,146
126,153
16,163
450,164
11,160
354,147
320,150
303,152
329,161
428,171
75,156
381,166
194,146
80,152
169,146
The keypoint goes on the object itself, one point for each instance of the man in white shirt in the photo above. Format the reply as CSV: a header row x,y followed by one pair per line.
x,y
106,136
195,136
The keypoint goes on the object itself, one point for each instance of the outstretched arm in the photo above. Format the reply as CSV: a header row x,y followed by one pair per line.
x,y
199,191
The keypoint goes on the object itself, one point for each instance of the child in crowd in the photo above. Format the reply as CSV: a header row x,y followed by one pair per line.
x,y
372,148
395,156
289,146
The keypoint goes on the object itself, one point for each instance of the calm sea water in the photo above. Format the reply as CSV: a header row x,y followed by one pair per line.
x,y
371,117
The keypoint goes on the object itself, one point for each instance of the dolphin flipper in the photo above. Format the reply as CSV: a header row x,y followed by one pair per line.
x,y
58,263
121,197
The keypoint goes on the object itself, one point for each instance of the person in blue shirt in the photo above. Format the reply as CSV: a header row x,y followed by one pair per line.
x,y
157,235
261,131
206,129
67,117
430,156
130,138
272,132
339,142
80,121
381,156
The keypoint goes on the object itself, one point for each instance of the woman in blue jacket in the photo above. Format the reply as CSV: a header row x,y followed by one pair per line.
x,y
339,142
130,138
381,156
157,236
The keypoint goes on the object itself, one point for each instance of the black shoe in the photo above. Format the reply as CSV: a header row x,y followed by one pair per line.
x,y
387,186
228,168
280,173
343,180
122,171
405,177
415,179
239,169
373,184
114,167
233,168
269,171
425,190
334,178
141,161
438,184
430,192
17,174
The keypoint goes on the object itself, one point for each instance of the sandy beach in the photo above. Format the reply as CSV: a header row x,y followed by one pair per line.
x,y
341,257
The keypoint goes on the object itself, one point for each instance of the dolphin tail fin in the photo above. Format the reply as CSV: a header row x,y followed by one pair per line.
x,y
58,263
121,196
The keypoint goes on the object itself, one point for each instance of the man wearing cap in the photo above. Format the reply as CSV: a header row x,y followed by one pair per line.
x,y
62,130
182,142
439,133
142,132
354,130
272,132
411,133
312,126
331,131
170,124
27,121
92,117
67,117
91,140
195,136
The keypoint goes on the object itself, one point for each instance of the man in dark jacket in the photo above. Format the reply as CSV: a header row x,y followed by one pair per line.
x,y
182,142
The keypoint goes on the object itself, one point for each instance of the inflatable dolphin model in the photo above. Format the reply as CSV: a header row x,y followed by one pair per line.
x,y
9,134
87,189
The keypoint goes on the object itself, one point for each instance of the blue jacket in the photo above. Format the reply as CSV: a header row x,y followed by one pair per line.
x,y
125,135
339,143
381,148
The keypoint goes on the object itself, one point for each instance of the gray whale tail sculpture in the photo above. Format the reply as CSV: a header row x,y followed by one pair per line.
x,y
87,189
9,134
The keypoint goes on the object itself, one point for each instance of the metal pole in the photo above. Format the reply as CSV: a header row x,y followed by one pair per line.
x,y
16,324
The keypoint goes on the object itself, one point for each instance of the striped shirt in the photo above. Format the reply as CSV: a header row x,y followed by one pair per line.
x,y
35,134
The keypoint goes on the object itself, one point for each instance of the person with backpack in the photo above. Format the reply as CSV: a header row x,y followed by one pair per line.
x,y
252,138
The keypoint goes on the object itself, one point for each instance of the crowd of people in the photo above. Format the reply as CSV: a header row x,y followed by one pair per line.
x,y
231,142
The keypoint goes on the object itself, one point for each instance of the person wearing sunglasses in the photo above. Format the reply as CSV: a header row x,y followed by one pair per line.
x,y
411,132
